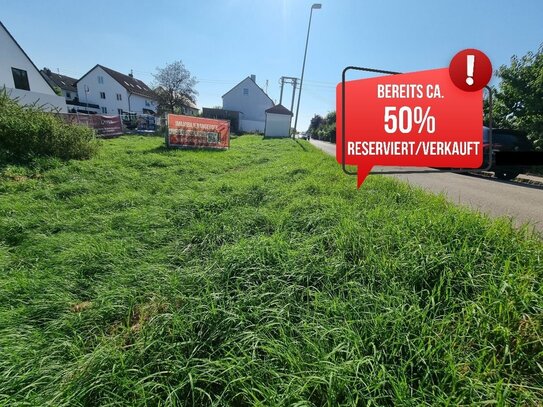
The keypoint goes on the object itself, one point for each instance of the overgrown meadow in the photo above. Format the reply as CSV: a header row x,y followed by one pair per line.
x,y
256,276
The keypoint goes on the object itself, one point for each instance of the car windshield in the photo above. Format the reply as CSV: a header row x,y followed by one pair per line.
x,y
506,139
486,135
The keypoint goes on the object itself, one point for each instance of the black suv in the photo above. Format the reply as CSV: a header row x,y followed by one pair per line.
x,y
505,140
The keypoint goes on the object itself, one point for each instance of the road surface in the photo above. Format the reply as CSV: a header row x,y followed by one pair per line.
x,y
521,202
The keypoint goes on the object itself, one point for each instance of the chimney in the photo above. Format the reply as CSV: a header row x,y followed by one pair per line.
x,y
253,77
131,74
47,71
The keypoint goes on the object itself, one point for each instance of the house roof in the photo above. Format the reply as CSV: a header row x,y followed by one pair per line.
x,y
279,109
251,79
128,82
188,103
24,53
62,81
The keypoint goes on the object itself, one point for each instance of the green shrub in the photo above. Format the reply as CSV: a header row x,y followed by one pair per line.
x,y
27,132
323,128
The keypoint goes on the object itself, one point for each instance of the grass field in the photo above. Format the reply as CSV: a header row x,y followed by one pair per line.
x,y
256,276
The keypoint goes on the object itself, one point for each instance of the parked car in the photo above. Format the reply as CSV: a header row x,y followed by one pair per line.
x,y
505,140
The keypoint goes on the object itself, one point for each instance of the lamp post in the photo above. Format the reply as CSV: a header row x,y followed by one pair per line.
x,y
315,6
86,89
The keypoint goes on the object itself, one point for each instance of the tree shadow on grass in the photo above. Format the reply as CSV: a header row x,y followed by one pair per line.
x,y
301,145
283,138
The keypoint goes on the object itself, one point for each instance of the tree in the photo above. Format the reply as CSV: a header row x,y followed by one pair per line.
x,y
314,125
518,99
323,128
174,87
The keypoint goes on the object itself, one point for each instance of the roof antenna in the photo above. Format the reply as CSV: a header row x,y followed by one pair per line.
x,y
131,73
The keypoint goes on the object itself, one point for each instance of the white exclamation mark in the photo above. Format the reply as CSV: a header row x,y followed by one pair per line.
x,y
471,64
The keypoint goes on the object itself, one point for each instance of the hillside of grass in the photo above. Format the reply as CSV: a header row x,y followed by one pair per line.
x,y
256,276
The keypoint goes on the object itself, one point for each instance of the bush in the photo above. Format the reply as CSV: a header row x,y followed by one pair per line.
x,y
27,132
323,128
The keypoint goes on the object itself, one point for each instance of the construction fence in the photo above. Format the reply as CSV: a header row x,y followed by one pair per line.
x,y
112,126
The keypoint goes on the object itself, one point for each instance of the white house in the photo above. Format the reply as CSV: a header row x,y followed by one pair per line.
x,y
115,92
68,88
278,121
22,79
251,101
190,109
66,84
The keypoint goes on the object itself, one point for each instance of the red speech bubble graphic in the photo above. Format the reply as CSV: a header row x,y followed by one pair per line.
x,y
418,119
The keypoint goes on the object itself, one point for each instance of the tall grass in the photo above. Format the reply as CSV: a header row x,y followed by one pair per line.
x,y
28,133
257,276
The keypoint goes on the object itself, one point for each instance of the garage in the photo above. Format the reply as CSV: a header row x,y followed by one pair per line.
x,y
278,120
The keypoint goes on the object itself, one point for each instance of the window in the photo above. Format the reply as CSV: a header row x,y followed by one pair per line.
x,y
119,96
100,79
104,110
102,95
68,95
245,91
20,79
119,111
147,103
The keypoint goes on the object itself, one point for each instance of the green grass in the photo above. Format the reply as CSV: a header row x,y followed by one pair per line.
x,y
257,276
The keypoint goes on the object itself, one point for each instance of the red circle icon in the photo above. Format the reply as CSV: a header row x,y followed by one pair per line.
x,y
470,70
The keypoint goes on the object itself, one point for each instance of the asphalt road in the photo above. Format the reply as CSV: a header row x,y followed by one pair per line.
x,y
521,202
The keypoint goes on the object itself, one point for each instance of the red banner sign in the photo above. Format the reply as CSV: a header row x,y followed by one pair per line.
x,y
197,132
105,126
416,119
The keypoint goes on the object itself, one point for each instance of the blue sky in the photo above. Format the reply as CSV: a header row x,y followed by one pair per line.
x,y
222,42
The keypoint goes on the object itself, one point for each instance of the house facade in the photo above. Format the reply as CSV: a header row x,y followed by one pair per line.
x,y
190,110
22,79
251,101
116,93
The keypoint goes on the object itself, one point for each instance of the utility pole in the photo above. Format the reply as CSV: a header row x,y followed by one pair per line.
x,y
282,82
294,85
289,80
292,81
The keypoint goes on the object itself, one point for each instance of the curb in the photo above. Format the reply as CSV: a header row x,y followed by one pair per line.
x,y
521,178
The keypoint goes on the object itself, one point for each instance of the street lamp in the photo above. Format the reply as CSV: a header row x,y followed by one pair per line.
x,y
86,89
315,6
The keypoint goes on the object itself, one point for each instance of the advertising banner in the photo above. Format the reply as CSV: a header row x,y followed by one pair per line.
x,y
197,132
105,126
